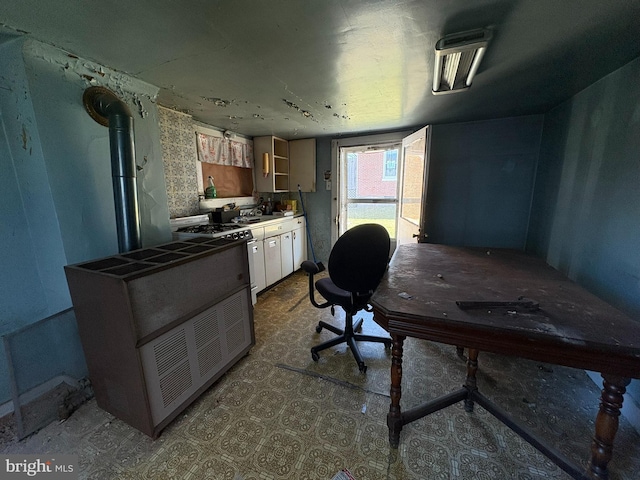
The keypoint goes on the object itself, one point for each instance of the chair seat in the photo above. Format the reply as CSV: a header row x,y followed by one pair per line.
x,y
337,296
333,293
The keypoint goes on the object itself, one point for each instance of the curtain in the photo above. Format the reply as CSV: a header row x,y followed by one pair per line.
x,y
223,151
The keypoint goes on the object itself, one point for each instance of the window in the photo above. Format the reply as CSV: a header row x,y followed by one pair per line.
x,y
390,169
369,187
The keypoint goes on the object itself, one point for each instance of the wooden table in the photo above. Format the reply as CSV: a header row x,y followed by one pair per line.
x,y
571,327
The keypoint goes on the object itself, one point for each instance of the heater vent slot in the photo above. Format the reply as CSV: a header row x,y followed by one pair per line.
x,y
232,311
206,328
235,338
170,352
209,357
175,383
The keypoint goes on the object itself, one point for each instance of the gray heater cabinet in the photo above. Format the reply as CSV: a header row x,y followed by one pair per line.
x,y
159,325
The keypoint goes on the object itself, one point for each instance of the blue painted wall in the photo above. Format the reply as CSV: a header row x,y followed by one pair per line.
x,y
585,217
56,197
586,212
481,177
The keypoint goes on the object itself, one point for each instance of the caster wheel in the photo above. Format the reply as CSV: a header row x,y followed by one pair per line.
x,y
388,345
315,356
318,328
363,368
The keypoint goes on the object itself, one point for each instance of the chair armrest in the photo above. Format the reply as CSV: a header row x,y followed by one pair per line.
x,y
310,267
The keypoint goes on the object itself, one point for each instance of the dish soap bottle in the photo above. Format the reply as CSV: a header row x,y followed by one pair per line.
x,y
211,191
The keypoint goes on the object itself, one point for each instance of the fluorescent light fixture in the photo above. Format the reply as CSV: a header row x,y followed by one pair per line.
x,y
457,60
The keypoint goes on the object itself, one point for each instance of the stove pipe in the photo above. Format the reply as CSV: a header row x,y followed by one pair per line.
x,y
108,110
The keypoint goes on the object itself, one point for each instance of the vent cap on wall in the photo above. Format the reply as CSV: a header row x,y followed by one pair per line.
x,y
457,57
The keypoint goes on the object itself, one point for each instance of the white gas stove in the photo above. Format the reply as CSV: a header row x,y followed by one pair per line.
x,y
199,226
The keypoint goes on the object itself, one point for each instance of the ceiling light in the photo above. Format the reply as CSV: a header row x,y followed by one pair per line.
x,y
457,59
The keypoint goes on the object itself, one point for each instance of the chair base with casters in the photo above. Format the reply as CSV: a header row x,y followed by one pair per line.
x,y
357,263
349,337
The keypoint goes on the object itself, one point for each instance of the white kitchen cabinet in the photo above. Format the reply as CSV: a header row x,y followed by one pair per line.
x,y
284,248
257,255
287,164
286,253
272,259
259,280
299,240
302,165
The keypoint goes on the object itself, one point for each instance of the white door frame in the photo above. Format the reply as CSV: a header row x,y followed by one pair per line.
x,y
367,140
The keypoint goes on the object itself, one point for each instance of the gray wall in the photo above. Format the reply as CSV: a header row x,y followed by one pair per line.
x,y
56,195
481,178
318,204
585,218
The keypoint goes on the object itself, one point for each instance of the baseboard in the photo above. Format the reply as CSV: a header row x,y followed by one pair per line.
x,y
8,407
630,406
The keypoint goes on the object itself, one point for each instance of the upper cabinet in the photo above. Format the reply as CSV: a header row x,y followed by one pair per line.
x,y
282,165
302,165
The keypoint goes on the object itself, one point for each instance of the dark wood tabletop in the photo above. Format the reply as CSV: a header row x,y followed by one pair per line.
x,y
514,304
572,327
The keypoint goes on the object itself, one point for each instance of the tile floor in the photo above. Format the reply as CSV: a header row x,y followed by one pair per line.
x,y
279,415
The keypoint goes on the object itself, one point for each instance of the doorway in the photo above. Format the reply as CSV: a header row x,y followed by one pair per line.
x,y
365,182
369,186
369,181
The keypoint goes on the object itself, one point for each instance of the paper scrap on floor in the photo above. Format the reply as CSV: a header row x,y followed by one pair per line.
x,y
343,474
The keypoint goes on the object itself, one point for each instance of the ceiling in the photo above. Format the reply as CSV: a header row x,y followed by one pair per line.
x,y
308,68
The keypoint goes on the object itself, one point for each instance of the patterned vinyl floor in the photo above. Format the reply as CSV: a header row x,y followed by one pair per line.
x,y
279,415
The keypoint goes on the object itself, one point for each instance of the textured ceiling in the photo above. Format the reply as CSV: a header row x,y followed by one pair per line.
x,y
303,68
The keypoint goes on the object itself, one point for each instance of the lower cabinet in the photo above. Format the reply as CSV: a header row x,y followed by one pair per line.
x,y
259,279
299,240
272,259
279,250
286,253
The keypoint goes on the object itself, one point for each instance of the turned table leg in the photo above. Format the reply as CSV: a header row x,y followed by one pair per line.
x,y
607,424
470,382
394,417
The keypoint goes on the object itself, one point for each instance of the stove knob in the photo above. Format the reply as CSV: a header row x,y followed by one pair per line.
x,y
234,236
241,235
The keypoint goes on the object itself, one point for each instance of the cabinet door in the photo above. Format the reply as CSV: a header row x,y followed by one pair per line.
x,y
302,165
272,260
286,253
259,278
299,246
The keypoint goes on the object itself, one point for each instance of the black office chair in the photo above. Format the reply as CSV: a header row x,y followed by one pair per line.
x,y
357,263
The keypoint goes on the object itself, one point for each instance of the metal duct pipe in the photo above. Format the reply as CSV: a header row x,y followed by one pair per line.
x,y
108,110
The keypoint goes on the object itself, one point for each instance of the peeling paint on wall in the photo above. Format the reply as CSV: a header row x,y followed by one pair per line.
x,y
25,137
91,74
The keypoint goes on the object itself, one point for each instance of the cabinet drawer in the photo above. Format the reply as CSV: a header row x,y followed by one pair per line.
x,y
275,229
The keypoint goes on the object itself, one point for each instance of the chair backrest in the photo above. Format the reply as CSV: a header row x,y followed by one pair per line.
x,y
359,258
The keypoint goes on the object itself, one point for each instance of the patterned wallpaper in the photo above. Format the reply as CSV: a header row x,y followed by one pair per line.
x,y
178,139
